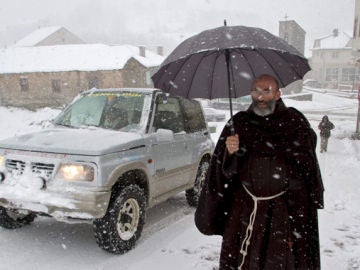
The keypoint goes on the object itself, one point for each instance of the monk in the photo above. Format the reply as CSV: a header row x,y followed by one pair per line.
x,y
264,187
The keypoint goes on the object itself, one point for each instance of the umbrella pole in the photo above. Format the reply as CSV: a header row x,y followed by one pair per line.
x,y
227,58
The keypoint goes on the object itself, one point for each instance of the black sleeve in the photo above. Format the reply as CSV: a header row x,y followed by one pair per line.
x,y
302,158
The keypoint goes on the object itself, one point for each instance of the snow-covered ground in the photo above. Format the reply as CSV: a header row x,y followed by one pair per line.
x,y
170,239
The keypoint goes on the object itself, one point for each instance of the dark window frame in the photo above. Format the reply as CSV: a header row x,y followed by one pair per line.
x,y
94,82
332,74
24,84
56,85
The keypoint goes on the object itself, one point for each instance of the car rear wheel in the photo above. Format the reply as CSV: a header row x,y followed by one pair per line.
x,y
118,231
13,219
192,195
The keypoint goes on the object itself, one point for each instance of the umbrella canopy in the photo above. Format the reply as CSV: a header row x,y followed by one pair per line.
x,y
228,58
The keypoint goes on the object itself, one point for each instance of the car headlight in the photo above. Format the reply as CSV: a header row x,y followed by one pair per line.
x,y
1,161
76,172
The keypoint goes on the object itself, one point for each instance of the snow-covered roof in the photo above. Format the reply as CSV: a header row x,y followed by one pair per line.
x,y
341,41
37,36
84,57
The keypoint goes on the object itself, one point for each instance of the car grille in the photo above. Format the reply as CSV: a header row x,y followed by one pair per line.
x,y
18,167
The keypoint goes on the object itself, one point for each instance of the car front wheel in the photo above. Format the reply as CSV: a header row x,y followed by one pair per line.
x,y
118,231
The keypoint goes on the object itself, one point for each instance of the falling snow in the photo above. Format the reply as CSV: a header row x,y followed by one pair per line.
x,y
170,239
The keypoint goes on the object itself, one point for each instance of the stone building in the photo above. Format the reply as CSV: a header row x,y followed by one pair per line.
x,y
52,75
292,33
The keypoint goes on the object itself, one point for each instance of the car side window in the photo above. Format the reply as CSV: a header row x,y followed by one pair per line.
x,y
194,117
168,115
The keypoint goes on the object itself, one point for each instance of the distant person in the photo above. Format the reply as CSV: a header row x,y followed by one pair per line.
x,y
264,187
325,127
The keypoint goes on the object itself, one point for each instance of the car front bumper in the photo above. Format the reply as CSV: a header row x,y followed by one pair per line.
x,y
63,204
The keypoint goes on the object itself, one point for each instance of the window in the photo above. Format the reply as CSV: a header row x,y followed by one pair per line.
x,y
24,84
348,74
331,74
93,82
148,80
56,85
194,117
335,55
286,38
86,111
169,116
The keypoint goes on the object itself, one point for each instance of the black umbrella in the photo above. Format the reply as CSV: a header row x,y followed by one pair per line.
x,y
222,62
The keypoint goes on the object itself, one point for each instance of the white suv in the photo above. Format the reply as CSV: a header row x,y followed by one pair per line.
x,y
110,155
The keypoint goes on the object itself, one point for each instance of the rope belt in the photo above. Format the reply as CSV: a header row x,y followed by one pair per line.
x,y
246,242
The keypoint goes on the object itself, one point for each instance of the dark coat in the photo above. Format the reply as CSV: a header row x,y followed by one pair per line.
x,y
325,128
284,144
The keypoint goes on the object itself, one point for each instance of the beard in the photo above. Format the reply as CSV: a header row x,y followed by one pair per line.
x,y
268,109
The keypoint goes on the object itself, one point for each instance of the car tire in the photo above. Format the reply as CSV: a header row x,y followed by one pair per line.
x,y
193,194
12,219
120,228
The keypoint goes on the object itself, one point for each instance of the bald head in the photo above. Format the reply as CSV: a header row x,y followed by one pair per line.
x,y
266,78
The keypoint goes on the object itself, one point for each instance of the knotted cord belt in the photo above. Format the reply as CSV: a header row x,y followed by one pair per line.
x,y
246,242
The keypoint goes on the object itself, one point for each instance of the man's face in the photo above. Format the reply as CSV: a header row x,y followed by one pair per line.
x,y
264,94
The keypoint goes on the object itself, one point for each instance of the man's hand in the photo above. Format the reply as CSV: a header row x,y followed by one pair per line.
x,y
232,144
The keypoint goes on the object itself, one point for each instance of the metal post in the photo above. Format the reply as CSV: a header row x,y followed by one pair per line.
x,y
357,132
358,122
358,117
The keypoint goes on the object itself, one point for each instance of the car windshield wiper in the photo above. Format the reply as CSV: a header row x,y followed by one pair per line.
x,y
64,125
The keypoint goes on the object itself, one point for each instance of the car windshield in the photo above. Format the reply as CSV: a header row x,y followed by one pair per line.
x,y
125,111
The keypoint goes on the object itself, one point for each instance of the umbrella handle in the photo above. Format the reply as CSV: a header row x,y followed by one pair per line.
x,y
232,129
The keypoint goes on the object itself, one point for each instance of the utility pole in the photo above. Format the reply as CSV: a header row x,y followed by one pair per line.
x,y
356,53
357,132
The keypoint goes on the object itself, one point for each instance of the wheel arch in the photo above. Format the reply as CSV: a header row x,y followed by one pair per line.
x,y
202,157
135,173
206,155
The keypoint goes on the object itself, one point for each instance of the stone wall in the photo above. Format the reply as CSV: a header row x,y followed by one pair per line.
x,y
52,89
55,89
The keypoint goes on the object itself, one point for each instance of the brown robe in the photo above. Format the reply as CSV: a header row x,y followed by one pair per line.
x,y
277,154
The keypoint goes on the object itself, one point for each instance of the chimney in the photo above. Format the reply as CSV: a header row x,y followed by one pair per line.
x,y
142,51
160,50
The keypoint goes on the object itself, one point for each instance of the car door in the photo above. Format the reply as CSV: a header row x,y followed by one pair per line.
x,y
170,155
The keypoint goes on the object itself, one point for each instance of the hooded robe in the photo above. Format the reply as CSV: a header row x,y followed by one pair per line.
x,y
276,159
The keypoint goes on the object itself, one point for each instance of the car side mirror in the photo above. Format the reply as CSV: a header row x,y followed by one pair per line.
x,y
212,129
161,99
164,135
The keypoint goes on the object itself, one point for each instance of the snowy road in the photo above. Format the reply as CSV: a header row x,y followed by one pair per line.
x,y
48,244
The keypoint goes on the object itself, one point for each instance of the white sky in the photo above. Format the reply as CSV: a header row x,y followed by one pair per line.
x,y
166,22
